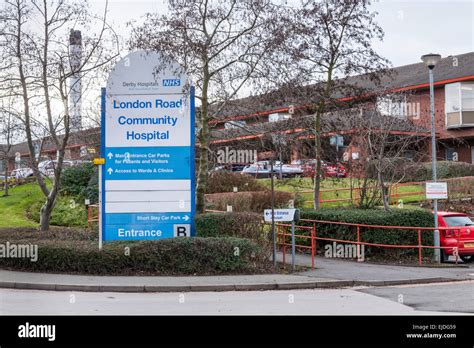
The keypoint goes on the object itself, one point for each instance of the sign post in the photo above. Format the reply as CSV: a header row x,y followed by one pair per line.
x,y
99,162
284,215
293,246
148,145
99,213
337,141
436,190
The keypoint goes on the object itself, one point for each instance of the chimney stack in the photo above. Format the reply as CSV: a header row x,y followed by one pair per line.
x,y
75,57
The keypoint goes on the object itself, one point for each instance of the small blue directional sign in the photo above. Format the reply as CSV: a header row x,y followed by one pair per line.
x,y
148,146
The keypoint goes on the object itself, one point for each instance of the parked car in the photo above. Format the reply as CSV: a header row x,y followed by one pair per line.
x,y
21,173
291,170
47,167
275,163
257,170
461,235
261,169
329,170
232,167
334,171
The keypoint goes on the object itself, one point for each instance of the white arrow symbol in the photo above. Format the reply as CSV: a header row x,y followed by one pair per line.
x,y
110,171
186,218
110,155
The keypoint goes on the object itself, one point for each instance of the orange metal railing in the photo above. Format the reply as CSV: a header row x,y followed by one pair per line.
x,y
282,233
92,214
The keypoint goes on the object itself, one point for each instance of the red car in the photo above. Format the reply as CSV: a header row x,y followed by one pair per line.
x,y
328,170
461,236
335,171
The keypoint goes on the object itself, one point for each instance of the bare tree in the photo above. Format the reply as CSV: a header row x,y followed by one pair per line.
x,y
386,142
9,132
223,45
334,40
39,64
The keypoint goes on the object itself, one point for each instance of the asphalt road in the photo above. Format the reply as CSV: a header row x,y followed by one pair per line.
x,y
362,271
443,297
371,301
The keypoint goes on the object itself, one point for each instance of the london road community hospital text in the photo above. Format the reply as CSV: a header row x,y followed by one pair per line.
x,y
163,120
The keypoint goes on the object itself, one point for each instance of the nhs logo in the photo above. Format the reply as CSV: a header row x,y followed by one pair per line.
x,y
171,82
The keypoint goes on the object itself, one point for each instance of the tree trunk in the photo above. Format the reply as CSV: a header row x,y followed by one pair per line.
x,y
203,147
202,174
46,210
320,111
384,191
5,184
317,171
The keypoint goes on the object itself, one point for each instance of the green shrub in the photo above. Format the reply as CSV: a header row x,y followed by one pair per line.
x,y
31,234
243,225
459,188
75,180
395,217
91,192
423,171
13,182
67,212
174,256
225,181
247,201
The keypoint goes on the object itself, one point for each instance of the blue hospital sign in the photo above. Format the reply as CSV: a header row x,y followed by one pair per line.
x,y
148,146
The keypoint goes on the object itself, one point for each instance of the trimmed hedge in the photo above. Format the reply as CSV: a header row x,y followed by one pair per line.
x,y
12,182
459,188
395,217
445,170
248,201
241,225
76,253
225,181
244,225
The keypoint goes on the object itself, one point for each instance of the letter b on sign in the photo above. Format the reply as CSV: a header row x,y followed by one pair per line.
x,y
182,230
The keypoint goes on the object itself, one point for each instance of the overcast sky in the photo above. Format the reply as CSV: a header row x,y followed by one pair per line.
x,y
412,27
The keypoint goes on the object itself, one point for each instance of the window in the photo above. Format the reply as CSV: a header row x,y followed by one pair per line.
x,y
458,221
459,105
409,155
451,154
277,117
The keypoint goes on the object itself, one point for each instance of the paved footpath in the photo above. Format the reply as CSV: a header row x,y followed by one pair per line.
x,y
365,273
66,282
329,273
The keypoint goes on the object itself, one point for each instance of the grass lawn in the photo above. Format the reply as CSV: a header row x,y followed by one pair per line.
x,y
28,197
407,193
14,207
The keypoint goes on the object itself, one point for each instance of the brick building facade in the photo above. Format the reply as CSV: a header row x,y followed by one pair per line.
x,y
247,124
